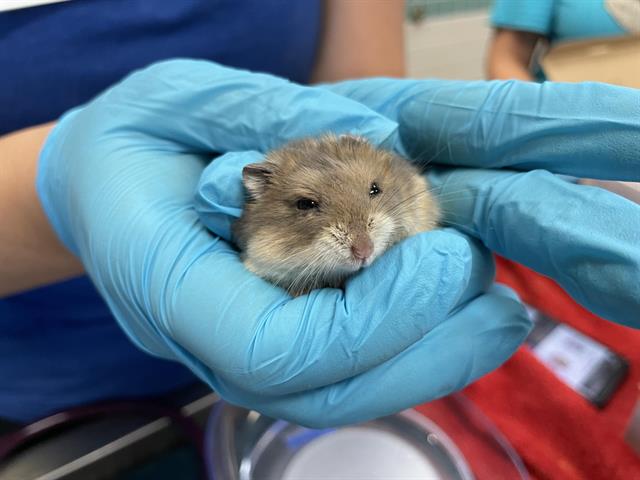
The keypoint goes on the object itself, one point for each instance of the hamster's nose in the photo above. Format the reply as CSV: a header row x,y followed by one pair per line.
x,y
362,247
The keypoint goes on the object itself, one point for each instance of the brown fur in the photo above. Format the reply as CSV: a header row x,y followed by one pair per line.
x,y
300,250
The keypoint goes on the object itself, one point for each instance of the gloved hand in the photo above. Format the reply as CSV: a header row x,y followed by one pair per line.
x,y
585,238
117,179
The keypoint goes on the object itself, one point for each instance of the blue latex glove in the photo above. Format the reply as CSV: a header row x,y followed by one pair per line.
x,y
117,179
585,238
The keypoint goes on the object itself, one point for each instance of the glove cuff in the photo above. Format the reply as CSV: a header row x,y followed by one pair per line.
x,y
50,187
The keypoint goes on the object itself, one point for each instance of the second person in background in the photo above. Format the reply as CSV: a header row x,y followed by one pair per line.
x,y
521,24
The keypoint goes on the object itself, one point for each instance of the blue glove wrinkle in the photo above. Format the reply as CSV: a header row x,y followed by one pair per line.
x,y
147,297
211,96
481,270
527,126
587,129
118,179
383,95
583,243
279,352
409,266
212,200
455,353
218,192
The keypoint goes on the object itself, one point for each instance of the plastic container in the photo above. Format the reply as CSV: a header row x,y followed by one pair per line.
x,y
244,445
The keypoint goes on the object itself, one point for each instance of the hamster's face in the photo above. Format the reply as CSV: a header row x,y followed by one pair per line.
x,y
321,209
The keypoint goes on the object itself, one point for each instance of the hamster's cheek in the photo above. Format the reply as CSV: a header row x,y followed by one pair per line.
x,y
426,213
382,232
265,250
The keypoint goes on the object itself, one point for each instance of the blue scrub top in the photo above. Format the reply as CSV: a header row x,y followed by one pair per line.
x,y
59,345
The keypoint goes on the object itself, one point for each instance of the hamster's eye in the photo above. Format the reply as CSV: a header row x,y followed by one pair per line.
x,y
374,189
306,204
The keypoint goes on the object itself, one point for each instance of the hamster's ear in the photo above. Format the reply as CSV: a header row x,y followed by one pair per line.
x,y
256,178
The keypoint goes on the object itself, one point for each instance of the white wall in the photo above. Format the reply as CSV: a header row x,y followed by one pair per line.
x,y
451,46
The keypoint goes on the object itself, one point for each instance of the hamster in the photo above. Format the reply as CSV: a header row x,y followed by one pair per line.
x,y
320,209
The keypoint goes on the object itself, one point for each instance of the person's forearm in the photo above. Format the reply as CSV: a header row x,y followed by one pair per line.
x,y
510,54
30,253
508,70
361,39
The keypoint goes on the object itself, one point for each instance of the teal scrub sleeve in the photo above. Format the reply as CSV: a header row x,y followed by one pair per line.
x,y
512,137
117,179
527,15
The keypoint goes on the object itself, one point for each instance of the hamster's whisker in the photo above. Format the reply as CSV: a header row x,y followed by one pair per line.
x,y
435,155
447,197
448,200
438,191
446,220
300,273
311,271
395,210
407,199
460,226
295,270
390,196
314,273
423,163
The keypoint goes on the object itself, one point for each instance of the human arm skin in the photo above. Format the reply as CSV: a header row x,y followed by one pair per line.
x,y
361,39
30,253
510,54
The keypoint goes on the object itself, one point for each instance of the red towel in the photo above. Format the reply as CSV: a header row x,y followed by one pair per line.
x,y
558,434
